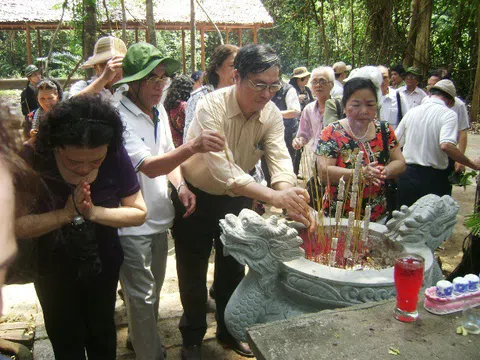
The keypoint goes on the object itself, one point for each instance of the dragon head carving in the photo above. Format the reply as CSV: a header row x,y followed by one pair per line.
x,y
430,220
259,243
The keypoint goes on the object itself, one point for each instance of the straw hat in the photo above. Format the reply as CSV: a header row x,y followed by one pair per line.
x,y
446,86
300,72
341,67
105,49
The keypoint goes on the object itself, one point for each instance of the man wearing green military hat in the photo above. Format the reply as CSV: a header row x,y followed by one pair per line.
x,y
412,92
27,97
149,144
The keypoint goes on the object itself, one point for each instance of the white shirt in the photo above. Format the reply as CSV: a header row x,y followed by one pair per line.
x,y
414,98
105,94
389,107
291,99
337,90
423,129
461,111
143,139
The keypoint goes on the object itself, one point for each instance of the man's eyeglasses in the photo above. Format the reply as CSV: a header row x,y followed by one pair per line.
x,y
262,87
411,77
321,82
157,80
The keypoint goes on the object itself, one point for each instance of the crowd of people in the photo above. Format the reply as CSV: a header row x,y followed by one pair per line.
x,y
139,149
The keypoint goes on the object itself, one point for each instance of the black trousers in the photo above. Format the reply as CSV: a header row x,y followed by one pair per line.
x,y
194,237
79,316
418,181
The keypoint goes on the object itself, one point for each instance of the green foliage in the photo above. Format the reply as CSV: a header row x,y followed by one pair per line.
x,y
61,63
472,222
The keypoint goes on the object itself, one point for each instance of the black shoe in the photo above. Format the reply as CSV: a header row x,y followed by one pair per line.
x,y
191,352
240,347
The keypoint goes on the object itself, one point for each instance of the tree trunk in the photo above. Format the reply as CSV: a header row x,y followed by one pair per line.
x,y
89,29
476,88
152,38
412,34
380,33
422,45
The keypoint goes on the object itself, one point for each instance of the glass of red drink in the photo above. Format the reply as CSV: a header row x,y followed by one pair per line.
x,y
408,276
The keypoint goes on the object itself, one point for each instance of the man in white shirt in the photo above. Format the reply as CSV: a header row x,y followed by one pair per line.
x,y
148,141
463,123
412,92
428,135
341,72
393,105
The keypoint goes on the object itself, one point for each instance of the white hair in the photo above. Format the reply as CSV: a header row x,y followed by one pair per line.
x,y
325,70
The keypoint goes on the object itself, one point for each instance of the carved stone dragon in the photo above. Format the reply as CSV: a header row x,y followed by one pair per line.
x,y
261,244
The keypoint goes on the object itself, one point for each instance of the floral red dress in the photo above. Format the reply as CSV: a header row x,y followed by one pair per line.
x,y
176,119
335,143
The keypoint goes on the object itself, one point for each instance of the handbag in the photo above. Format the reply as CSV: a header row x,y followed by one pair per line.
x,y
390,184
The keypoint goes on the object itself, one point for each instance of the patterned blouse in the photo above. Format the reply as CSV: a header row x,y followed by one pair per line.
x,y
335,143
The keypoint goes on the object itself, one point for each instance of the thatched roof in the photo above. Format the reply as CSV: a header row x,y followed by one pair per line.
x,y
168,14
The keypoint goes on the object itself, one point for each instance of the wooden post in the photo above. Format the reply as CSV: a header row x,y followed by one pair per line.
x,y
192,35
184,60
29,44
136,34
255,29
39,41
239,37
202,41
226,35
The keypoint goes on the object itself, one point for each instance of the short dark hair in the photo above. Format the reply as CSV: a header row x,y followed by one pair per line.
x,y
439,92
398,69
196,75
255,59
84,120
179,90
355,84
220,54
50,84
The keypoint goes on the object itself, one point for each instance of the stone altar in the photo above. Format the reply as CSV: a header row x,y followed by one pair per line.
x,y
281,283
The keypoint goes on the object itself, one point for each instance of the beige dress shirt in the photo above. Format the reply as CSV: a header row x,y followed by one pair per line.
x,y
246,141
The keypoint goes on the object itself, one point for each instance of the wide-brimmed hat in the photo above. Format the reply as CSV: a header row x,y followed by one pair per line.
x,y
341,67
300,72
30,69
412,70
141,59
105,48
446,86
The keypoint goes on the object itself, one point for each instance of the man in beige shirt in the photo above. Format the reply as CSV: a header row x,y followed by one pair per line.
x,y
252,126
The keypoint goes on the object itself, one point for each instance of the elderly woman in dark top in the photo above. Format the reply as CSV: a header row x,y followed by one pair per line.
x,y
93,190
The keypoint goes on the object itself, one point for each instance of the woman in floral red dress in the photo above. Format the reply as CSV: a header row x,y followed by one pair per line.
x,y
341,141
